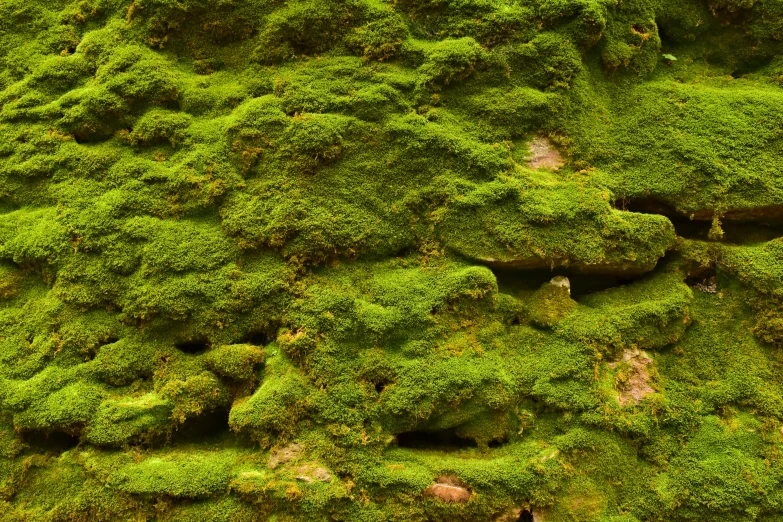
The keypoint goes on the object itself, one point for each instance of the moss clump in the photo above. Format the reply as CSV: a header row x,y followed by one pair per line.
x,y
190,476
551,303
236,361
286,260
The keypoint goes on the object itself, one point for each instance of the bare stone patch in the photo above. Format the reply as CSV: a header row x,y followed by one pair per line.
x,y
708,285
544,154
635,385
284,455
561,282
449,489
310,473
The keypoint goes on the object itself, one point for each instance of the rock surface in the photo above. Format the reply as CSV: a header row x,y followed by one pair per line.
x,y
634,384
449,488
543,154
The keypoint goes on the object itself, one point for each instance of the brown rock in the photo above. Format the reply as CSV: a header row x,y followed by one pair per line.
x,y
544,154
310,473
449,488
284,455
561,282
635,387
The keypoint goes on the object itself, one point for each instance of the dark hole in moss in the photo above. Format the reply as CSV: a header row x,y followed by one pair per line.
x,y
683,225
81,137
208,425
645,206
704,281
526,516
257,338
440,440
380,386
90,353
7,206
512,281
639,29
50,441
748,233
496,443
195,346
738,229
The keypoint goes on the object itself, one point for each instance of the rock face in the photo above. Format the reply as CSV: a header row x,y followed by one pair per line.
x,y
543,154
633,384
561,282
284,455
293,260
312,473
449,488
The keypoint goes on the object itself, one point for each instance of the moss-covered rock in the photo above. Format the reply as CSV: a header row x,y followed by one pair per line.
x,y
300,260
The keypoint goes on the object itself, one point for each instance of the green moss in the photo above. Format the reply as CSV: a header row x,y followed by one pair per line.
x,y
651,313
236,361
549,304
316,227
190,476
121,421
277,408
528,221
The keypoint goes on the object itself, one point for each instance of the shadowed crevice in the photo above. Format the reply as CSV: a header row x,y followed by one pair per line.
x,y
193,347
526,516
741,227
56,442
512,281
444,440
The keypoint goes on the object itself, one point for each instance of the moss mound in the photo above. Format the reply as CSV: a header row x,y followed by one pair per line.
x,y
369,260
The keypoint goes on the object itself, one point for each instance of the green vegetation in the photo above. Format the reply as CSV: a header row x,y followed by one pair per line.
x,y
266,260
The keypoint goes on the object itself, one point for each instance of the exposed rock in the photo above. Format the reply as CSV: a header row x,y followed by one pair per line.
x,y
634,387
544,154
284,455
310,473
708,285
561,282
449,489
